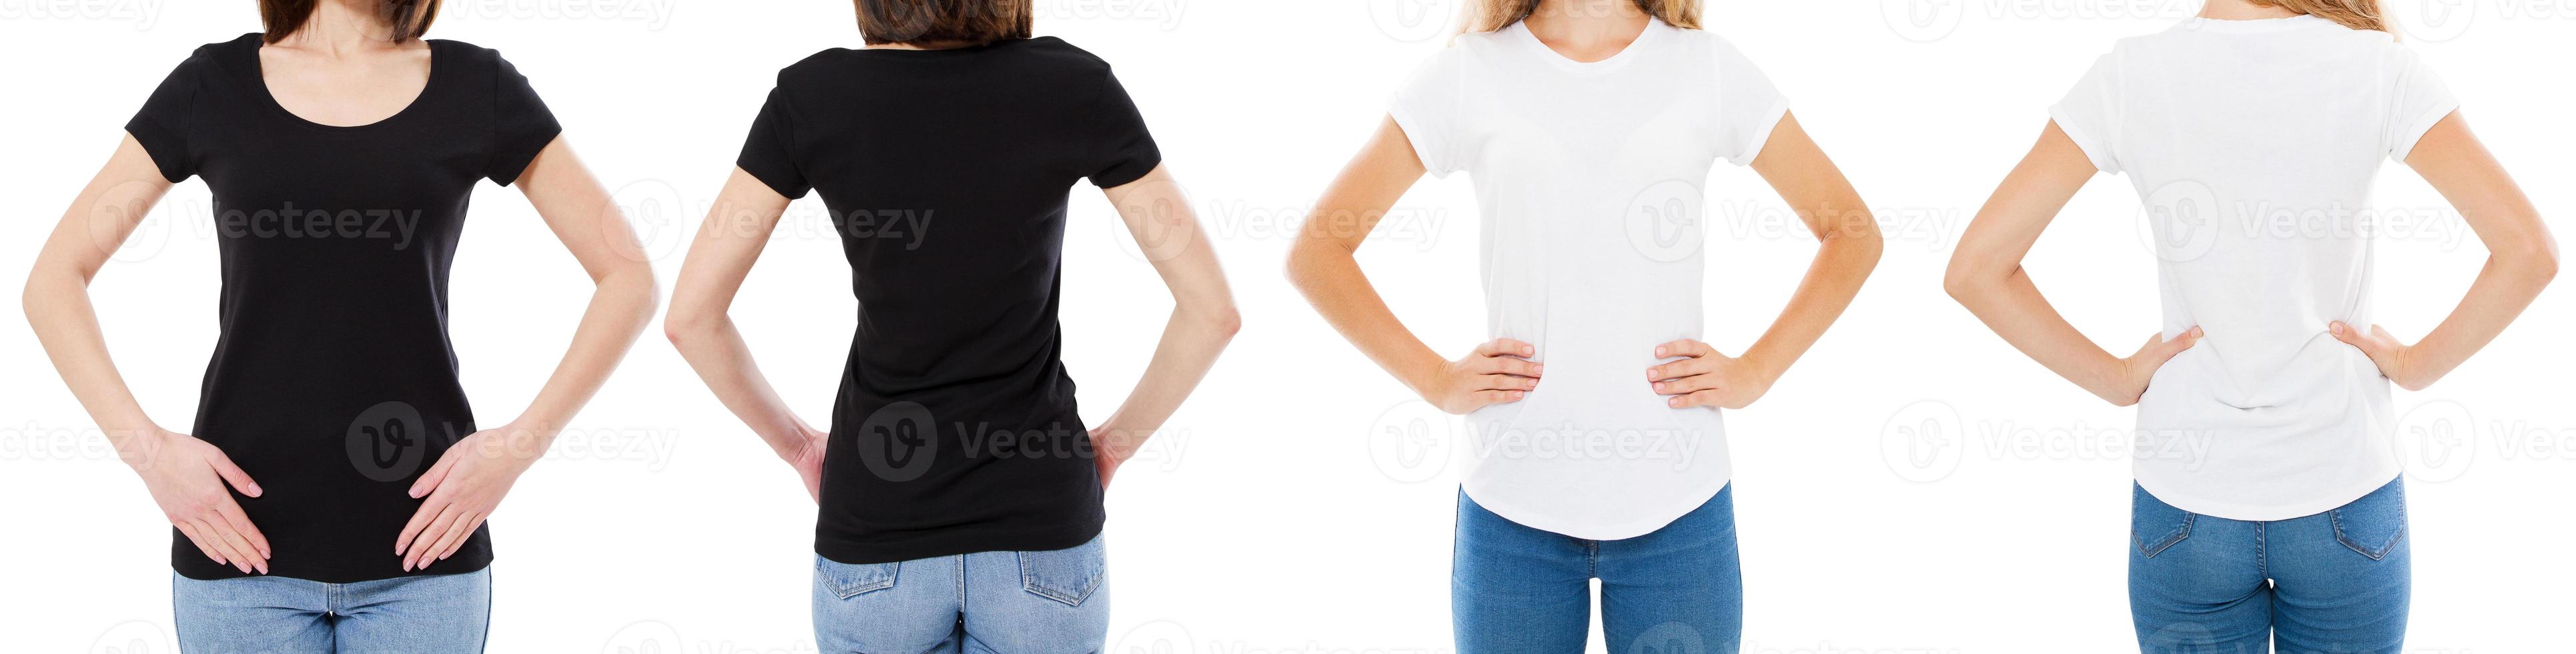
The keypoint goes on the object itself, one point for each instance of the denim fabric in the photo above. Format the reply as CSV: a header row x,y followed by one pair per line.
x,y
1676,590
2330,583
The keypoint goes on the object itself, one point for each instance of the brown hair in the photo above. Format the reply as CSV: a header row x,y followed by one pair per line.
x,y
2356,14
1490,15
410,18
943,21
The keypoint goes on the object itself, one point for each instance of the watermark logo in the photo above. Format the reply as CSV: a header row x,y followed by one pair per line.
x,y
1157,637
1668,220
1413,442
134,637
2437,440
1924,441
2434,21
2179,221
388,441
1923,21
1412,21
644,637
898,442
1670,638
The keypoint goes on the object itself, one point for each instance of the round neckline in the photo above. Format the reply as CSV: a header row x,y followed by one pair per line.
x,y
947,52
2247,24
259,74
1654,29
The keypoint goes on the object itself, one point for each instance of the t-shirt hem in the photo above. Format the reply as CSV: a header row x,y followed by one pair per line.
x,y
770,179
2264,512
1123,178
853,553
1771,119
1616,531
2414,131
518,159
337,576
2095,150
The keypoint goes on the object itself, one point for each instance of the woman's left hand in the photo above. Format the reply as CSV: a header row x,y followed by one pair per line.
x,y
1703,377
1109,449
462,490
2386,352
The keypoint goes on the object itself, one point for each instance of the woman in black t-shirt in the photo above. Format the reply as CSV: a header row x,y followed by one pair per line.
x,y
334,489
944,152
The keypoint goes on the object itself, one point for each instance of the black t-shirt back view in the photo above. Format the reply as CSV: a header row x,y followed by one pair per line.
x,y
333,383
946,174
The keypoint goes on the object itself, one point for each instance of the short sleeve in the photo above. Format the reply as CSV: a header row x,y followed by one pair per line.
x,y
1427,107
2418,101
2090,113
521,124
1124,149
162,124
1748,108
766,152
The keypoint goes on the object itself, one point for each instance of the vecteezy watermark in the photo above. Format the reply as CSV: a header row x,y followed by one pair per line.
x,y
1927,441
658,637
2443,20
1412,21
2441,440
1413,442
2185,220
1164,14
1666,221
390,441
1925,21
652,14
142,13
903,440
134,637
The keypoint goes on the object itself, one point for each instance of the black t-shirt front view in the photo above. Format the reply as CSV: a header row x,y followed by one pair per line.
x,y
946,174
333,383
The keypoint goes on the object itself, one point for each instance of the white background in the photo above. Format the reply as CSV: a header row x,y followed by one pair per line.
x,y
1279,513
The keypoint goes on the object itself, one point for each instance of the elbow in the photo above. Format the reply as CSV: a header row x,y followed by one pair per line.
x,y
1963,282
685,328
1220,320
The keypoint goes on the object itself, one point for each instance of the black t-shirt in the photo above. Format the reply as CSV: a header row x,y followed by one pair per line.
x,y
946,174
333,383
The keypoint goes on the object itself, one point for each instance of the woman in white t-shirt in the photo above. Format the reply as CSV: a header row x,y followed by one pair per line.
x,y
1596,448
2267,506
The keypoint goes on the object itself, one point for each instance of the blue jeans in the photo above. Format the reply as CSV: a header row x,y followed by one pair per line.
x,y
1015,602
2334,582
279,615
1676,590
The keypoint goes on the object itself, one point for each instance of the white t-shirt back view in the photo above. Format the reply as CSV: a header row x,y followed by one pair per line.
x,y
2254,144
1589,179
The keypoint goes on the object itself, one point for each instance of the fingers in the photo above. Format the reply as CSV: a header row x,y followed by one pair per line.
x,y
232,474
1504,347
1683,368
420,547
1683,348
240,522
437,474
419,522
1688,385
1489,398
1506,366
1505,383
224,543
2159,349
455,537
189,529
2370,343
1708,398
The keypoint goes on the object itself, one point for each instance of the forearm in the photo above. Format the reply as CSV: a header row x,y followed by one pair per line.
x,y
619,308
1192,340
1842,264
2011,305
1331,280
716,350
2503,289
58,309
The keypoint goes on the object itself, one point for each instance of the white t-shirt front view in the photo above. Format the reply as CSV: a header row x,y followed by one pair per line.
x,y
2253,144
1589,179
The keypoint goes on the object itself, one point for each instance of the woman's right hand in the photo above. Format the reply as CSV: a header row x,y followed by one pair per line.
x,y
1497,372
186,477
2128,382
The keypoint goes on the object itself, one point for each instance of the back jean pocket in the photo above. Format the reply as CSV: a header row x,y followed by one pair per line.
x,y
1067,575
2155,525
847,580
2375,524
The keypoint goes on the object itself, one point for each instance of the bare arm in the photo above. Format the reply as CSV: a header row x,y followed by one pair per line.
x,y
1203,318
2521,259
737,228
469,481
1834,212
1323,267
1986,276
186,476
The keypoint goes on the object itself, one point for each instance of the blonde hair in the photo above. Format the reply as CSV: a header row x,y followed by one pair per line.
x,y
1491,15
2356,14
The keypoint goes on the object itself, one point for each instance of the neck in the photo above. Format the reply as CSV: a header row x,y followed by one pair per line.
x,y
2242,10
1582,23
341,27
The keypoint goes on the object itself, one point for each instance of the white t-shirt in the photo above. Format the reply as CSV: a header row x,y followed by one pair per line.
x,y
1589,178
2253,144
